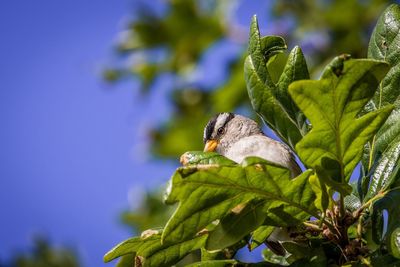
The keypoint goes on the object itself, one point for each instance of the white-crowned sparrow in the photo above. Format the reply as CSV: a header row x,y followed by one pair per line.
x,y
237,137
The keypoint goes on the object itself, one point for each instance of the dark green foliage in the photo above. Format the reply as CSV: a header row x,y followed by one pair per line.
x,y
333,124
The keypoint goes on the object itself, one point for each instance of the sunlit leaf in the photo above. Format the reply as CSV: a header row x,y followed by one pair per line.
x,y
149,251
335,143
385,45
270,100
206,193
295,69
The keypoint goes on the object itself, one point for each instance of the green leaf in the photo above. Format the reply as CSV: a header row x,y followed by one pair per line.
x,y
390,203
200,157
387,171
272,45
236,225
395,242
295,69
260,234
320,188
126,261
304,255
271,101
272,258
207,193
150,252
384,45
335,143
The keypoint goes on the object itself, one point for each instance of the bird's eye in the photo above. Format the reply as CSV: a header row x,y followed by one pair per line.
x,y
220,130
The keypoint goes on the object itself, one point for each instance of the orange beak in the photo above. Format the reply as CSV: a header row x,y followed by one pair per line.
x,y
210,146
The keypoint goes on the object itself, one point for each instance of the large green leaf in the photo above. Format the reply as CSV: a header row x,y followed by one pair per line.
x,y
271,101
149,251
390,203
385,45
207,193
335,143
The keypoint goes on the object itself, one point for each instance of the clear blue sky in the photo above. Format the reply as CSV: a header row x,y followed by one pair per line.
x,y
67,140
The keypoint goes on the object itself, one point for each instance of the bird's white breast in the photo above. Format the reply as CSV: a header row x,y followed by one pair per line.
x,y
258,146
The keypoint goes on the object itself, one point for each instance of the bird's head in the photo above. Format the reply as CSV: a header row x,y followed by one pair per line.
x,y
226,128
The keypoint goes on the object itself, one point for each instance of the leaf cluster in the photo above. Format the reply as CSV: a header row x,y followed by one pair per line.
x,y
345,118
176,39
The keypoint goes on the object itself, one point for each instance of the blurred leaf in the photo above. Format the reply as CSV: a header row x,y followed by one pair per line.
x,y
149,251
265,95
185,132
44,255
180,31
112,75
232,94
207,193
335,143
324,27
151,213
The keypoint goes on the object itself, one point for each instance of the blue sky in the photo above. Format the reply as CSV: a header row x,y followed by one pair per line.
x,y
68,140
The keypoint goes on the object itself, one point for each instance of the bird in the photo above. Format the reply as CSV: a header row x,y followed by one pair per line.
x,y
237,137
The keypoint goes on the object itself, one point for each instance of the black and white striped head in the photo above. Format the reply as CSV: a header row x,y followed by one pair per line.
x,y
226,128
